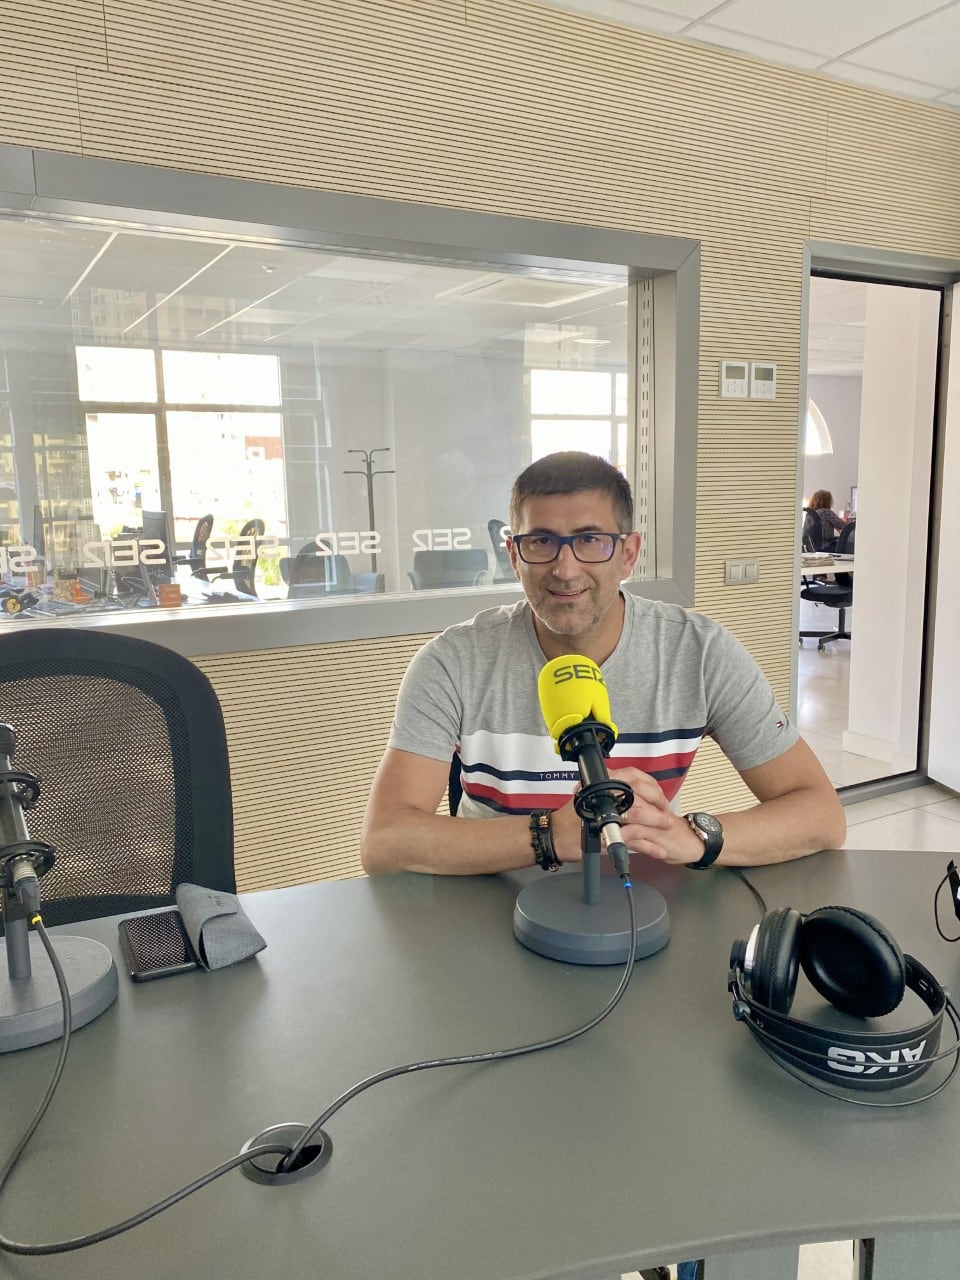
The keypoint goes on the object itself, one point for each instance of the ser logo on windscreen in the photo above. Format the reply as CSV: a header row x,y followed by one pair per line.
x,y
577,671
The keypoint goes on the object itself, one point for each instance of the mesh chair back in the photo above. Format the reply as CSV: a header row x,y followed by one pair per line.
x,y
313,574
846,545
458,567
129,744
496,529
244,572
813,530
198,547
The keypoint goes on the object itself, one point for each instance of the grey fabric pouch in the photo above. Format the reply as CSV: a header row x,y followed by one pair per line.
x,y
217,925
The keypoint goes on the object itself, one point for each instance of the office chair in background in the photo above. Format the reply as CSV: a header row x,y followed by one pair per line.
x,y
837,594
128,741
504,569
197,559
310,574
244,569
461,567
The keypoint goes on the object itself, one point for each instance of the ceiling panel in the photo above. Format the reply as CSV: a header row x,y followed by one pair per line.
x,y
821,26
926,50
910,47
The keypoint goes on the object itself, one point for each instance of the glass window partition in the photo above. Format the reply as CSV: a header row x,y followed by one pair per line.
x,y
351,423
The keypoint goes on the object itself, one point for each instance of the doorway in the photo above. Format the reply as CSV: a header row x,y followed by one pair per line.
x,y
871,386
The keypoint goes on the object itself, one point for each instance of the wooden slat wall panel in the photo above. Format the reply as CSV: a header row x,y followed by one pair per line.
x,y
506,106
306,728
41,49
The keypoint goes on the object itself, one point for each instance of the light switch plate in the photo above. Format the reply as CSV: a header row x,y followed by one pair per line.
x,y
738,573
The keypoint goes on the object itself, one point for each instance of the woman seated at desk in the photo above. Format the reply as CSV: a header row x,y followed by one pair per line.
x,y
822,524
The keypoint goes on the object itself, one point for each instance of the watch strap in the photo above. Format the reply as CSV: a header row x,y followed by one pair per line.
x,y
712,844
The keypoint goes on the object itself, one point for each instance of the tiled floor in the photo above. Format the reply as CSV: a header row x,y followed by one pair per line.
x,y
823,677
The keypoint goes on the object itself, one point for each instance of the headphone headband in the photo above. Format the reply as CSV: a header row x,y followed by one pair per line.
x,y
865,1060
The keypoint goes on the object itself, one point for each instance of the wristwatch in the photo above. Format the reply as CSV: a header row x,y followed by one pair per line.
x,y
711,833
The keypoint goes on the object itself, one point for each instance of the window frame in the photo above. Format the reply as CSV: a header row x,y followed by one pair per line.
x,y
137,196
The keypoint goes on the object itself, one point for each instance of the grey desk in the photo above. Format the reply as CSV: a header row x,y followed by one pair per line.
x,y
664,1133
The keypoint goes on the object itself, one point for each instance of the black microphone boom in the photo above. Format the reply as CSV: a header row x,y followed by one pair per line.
x,y
22,860
31,1010
601,800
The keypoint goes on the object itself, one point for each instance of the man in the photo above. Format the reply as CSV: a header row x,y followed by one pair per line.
x,y
673,678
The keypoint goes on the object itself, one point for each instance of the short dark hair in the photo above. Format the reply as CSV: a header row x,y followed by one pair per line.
x,y
572,472
821,500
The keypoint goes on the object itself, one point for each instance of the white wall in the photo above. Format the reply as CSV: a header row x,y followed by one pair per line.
x,y
838,398
944,745
896,431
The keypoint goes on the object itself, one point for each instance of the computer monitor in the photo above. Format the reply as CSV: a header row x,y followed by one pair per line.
x,y
156,525
39,538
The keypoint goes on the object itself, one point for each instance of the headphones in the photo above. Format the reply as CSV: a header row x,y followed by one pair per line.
x,y
857,966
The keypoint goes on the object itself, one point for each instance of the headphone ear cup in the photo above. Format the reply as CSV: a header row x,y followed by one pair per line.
x,y
851,959
773,977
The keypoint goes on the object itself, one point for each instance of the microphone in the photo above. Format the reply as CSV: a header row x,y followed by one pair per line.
x,y
22,860
31,1004
576,710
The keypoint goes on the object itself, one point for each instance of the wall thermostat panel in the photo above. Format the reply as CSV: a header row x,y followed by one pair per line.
x,y
734,379
763,380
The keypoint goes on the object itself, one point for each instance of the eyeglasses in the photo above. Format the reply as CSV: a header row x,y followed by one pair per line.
x,y
588,548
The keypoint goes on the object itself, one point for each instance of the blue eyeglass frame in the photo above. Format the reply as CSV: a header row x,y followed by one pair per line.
x,y
567,540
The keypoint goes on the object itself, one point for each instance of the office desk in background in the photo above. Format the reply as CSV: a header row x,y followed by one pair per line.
x,y
664,1133
831,566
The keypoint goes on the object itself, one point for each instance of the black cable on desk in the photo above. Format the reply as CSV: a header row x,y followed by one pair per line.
x,y
81,1242
494,1055
761,903
289,1154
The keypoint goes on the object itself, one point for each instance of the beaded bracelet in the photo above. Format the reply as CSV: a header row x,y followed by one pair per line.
x,y
541,840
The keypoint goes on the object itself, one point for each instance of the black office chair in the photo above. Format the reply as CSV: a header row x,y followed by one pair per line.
x,y
197,559
460,567
244,570
837,594
128,741
454,785
310,574
813,530
504,570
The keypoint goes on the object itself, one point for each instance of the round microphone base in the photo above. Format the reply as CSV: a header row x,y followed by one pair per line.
x,y
551,918
30,1008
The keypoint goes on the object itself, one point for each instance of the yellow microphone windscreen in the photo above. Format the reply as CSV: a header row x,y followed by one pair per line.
x,y
571,690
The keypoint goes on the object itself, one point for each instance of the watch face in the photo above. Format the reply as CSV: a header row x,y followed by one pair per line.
x,y
708,823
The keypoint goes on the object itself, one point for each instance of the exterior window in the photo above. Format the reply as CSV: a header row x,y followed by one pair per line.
x,y
586,411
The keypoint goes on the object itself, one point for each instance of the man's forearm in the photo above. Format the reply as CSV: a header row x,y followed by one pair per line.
x,y
415,841
786,827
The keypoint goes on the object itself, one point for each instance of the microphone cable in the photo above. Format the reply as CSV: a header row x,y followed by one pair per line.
x,y
289,1154
953,876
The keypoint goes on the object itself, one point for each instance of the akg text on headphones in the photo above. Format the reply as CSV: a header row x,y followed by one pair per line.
x,y
856,965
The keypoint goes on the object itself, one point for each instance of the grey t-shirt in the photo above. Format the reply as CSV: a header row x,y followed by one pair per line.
x,y
674,678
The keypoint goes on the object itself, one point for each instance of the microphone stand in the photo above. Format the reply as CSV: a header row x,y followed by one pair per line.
x,y
31,1011
584,919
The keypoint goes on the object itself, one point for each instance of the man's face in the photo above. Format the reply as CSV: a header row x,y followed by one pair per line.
x,y
570,599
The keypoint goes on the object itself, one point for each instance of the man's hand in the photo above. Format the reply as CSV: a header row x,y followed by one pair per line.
x,y
650,827
647,827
